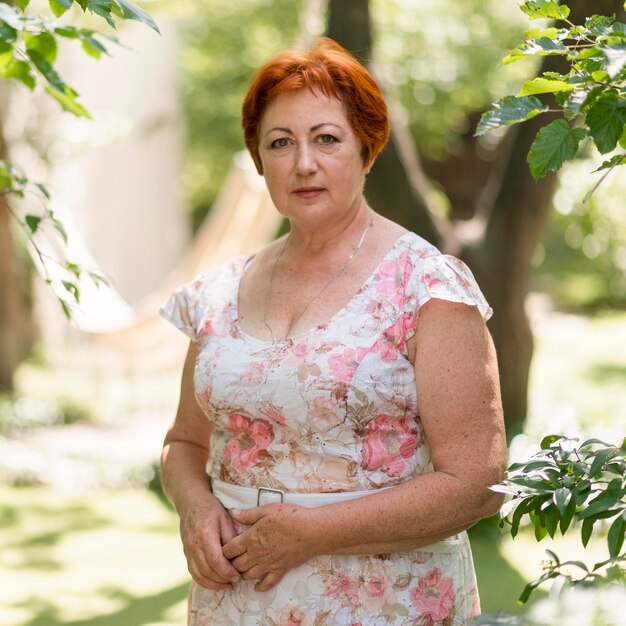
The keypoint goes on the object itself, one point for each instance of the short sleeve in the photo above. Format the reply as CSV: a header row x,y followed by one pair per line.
x,y
447,278
182,309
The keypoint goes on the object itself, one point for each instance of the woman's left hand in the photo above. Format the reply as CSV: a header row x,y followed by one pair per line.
x,y
275,543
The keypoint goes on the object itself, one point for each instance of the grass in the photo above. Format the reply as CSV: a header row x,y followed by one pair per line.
x,y
103,559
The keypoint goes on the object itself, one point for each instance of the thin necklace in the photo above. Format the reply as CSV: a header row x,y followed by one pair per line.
x,y
321,291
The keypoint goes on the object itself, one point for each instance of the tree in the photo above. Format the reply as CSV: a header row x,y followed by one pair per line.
x,y
506,215
28,52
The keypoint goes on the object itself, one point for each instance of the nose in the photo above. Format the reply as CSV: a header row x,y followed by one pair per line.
x,y
306,162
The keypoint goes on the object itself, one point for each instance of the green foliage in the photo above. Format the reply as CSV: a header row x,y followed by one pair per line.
x,y
554,143
564,483
28,52
590,97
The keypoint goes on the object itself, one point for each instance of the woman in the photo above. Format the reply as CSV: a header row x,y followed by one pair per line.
x,y
350,385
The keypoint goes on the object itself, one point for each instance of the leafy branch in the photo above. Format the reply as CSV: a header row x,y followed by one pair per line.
x,y
564,483
28,51
590,97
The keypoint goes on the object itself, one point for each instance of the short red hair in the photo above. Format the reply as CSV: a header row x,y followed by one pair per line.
x,y
331,70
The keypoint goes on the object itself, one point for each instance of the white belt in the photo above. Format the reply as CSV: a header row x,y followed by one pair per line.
x,y
237,497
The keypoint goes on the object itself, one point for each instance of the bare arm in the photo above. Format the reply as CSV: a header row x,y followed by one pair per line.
x,y
460,409
204,524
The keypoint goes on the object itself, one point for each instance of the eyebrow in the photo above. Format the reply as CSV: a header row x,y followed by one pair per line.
x,y
313,128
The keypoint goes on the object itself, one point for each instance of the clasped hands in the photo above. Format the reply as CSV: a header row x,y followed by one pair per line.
x,y
273,543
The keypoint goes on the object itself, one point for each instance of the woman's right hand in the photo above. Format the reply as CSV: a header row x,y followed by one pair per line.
x,y
205,527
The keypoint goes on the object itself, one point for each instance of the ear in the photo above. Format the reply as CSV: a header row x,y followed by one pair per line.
x,y
368,166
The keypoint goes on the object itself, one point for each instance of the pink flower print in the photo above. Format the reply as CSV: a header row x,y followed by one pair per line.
x,y
269,409
324,408
342,366
388,442
433,597
207,329
476,607
392,341
344,588
250,439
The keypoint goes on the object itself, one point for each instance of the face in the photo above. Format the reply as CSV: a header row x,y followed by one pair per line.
x,y
311,158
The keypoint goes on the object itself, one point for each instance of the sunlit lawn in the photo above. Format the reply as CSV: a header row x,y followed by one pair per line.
x,y
113,558
103,559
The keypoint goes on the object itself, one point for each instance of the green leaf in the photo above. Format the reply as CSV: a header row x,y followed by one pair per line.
x,y
7,34
600,458
586,530
605,119
11,17
43,190
19,70
48,72
92,46
59,7
542,85
22,4
32,221
74,268
530,587
69,32
553,145
44,44
561,498
66,308
544,8
102,8
67,100
567,515
72,289
548,440
509,110
615,58
615,537
98,278
58,225
133,12
599,25
551,520
542,46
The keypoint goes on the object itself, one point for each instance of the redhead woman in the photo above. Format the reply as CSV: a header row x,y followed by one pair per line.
x,y
340,421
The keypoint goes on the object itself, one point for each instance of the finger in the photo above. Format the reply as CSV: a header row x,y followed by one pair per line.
x,y
227,530
206,581
243,563
235,547
270,580
219,563
198,560
247,516
254,573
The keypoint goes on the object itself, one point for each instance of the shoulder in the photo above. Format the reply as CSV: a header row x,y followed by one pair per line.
x,y
431,274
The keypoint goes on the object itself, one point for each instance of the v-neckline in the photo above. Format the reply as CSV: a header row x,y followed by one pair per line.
x,y
307,333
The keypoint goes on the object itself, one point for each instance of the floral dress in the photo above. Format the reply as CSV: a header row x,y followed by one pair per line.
x,y
332,410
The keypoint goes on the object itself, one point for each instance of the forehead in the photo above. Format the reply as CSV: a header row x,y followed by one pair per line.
x,y
303,107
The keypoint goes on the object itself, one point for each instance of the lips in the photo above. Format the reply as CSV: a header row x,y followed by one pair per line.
x,y
308,192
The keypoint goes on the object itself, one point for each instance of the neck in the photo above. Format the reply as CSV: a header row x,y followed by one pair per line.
x,y
308,241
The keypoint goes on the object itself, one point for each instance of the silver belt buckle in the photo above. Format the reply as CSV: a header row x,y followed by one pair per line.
x,y
268,490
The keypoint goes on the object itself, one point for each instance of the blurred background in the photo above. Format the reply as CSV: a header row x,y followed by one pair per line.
x,y
155,189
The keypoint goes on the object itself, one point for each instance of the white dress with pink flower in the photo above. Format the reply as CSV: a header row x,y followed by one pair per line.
x,y
332,410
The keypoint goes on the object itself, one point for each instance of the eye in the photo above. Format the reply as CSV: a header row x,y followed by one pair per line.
x,y
327,139
281,142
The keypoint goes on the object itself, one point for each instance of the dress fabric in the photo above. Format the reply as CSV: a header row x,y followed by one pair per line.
x,y
332,410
